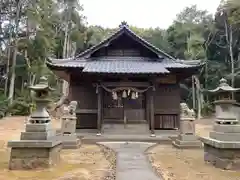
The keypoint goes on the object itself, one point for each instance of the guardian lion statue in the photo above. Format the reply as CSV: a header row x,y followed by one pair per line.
x,y
70,110
186,112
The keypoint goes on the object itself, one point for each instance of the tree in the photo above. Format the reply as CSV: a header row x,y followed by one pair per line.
x,y
227,22
187,37
73,35
18,6
192,15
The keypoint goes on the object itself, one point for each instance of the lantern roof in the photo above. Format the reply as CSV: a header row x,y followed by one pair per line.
x,y
223,87
42,85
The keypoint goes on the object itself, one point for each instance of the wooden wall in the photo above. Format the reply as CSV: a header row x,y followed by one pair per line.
x,y
124,46
85,95
134,109
167,106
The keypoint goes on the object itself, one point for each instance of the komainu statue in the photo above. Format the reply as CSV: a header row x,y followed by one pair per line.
x,y
186,112
69,120
72,108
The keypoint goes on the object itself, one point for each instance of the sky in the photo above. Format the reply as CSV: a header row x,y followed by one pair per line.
x,y
140,13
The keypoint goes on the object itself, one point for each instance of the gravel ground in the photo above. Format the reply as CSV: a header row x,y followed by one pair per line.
x,y
175,164
111,157
89,162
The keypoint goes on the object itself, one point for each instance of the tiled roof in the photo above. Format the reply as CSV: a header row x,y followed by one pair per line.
x,y
168,63
130,67
70,62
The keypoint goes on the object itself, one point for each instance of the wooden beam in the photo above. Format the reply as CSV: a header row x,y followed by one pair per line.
x,y
152,113
86,111
126,84
148,108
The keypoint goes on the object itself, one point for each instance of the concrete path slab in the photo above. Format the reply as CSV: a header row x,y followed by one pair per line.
x,y
132,162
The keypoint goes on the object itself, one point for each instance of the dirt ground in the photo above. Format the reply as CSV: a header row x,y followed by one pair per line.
x,y
175,164
203,127
86,163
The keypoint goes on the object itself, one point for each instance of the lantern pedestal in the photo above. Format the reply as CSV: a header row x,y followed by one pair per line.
x,y
38,147
222,154
222,147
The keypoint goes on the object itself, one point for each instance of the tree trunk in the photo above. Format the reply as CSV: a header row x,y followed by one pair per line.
x,y
15,50
229,39
65,85
197,97
231,58
65,55
8,63
193,94
206,79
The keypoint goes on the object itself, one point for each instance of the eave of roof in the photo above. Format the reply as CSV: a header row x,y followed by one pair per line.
x,y
68,62
127,65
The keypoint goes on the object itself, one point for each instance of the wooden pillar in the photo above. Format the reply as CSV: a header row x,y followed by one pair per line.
x,y
147,108
152,112
99,112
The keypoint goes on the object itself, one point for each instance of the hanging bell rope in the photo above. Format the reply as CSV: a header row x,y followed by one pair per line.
x,y
129,91
114,95
133,95
124,94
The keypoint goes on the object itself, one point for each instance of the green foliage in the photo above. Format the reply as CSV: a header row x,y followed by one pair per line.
x,y
45,24
195,49
19,107
3,104
207,109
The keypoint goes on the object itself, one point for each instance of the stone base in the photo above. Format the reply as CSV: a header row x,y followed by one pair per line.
x,y
186,141
227,157
223,136
70,141
186,144
33,155
38,135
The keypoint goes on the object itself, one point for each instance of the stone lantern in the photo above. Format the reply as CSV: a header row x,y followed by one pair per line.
x,y
224,104
38,147
222,147
40,94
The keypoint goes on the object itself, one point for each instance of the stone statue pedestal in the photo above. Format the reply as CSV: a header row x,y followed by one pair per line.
x,y
69,138
187,138
38,147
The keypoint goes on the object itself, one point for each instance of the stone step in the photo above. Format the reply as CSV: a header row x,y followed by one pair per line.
x,y
128,129
124,138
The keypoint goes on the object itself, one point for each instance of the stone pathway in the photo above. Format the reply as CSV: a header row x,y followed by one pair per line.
x,y
132,163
